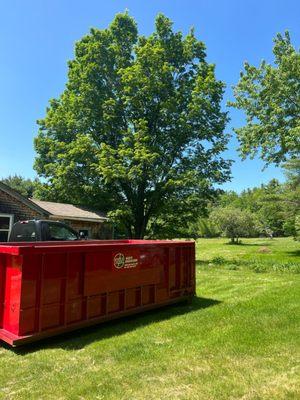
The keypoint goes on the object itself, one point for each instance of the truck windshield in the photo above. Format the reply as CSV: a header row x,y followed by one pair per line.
x,y
60,232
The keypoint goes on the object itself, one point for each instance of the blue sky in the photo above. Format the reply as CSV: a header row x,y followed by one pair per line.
x,y
37,38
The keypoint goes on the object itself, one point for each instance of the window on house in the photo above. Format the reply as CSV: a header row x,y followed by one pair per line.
x,y
6,221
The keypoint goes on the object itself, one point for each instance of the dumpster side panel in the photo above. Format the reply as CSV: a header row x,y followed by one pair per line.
x,y
30,293
120,269
75,275
48,291
12,293
52,293
2,287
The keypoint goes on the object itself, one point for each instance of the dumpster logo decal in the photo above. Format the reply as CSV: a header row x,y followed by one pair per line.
x,y
119,260
122,261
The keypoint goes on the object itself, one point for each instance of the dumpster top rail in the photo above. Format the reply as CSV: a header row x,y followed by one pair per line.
x,y
22,248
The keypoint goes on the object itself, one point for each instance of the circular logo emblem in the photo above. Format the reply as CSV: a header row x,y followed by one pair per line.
x,y
119,260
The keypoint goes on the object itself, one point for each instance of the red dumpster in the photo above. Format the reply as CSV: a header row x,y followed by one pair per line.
x,y
48,288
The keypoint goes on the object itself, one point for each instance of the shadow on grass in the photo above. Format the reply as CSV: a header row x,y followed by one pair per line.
x,y
242,244
78,339
294,253
200,263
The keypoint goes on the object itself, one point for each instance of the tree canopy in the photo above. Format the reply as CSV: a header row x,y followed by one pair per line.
x,y
270,96
138,130
24,186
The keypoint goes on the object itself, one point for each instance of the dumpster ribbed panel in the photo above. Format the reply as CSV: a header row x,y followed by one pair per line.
x,y
49,288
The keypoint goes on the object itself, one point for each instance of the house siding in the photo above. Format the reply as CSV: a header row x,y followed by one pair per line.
x,y
20,211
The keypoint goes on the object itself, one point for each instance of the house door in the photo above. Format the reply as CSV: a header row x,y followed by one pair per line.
x,y
6,221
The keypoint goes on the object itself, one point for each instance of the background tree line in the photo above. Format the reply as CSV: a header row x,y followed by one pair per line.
x,y
273,209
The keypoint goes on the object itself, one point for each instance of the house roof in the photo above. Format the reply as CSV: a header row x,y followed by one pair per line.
x,y
56,210
70,211
13,193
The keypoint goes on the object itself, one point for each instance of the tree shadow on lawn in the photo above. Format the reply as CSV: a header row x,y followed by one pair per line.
x,y
294,253
242,244
78,339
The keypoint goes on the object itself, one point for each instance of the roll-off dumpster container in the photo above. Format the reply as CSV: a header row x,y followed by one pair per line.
x,y
48,288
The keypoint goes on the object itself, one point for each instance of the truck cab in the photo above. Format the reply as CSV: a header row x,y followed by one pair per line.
x,y
42,230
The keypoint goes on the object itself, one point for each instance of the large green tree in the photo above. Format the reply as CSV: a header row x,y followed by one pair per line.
x,y
270,96
138,130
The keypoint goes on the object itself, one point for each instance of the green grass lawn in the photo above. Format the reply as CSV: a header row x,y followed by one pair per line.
x,y
260,255
238,339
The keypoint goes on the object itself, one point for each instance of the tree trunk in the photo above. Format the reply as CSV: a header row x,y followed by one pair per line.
x,y
137,231
140,217
140,227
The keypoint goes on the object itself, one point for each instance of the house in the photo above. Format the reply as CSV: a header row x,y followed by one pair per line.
x,y
15,207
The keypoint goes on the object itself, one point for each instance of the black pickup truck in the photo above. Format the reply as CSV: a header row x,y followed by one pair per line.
x,y
42,230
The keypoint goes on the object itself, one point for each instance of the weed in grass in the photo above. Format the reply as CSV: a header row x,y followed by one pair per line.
x,y
287,267
229,264
219,260
258,267
232,267
269,266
